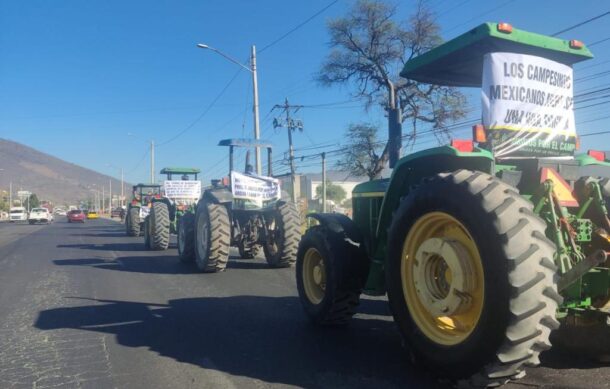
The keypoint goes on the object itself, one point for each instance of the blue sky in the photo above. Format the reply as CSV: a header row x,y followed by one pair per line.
x,y
77,76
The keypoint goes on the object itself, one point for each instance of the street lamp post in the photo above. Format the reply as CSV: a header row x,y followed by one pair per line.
x,y
122,184
252,70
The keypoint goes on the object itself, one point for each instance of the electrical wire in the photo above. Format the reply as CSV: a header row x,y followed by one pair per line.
x,y
202,115
298,26
581,23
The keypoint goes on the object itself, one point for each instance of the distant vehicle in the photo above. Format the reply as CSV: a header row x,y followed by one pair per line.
x,y
18,214
60,212
72,208
92,215
39,215
76,215
116,212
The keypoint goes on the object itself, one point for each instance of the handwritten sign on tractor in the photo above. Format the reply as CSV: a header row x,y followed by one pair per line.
x,y
528,105
175,189
255,189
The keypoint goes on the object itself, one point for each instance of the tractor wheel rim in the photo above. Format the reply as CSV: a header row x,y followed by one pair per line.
x,y
442,278
314,276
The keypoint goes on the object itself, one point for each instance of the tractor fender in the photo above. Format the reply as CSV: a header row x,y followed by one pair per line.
x,y
218,195
337,223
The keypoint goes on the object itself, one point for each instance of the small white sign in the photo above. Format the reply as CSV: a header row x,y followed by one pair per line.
x,y
177,189
23,193
256,189
528,105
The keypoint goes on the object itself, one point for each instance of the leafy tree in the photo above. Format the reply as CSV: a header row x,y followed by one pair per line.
x,y
363,153
334,192
368,50
34,202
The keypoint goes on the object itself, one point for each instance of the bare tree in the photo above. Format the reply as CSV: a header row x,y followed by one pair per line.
x,y
368,50
363,152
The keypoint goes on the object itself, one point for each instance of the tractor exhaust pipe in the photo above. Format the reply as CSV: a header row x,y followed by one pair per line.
x,y
596,258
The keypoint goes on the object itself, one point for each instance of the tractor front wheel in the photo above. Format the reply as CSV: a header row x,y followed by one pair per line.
x,y
330,276
471,278
283,235
132,222
212,237
186,249
158,226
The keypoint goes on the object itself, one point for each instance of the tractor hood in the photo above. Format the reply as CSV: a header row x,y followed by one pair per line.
x,y
459,62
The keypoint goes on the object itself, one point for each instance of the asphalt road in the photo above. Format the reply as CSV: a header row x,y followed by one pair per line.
x,y
84,306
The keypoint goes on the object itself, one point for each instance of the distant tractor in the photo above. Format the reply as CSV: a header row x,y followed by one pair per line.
x,y
178,200
244,211
482,250
139,207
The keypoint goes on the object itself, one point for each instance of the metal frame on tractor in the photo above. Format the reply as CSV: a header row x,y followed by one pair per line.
x,y
222,221
480,257
166,213
139,206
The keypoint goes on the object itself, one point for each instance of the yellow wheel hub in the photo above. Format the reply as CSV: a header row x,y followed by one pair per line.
x,y
442,278
314,276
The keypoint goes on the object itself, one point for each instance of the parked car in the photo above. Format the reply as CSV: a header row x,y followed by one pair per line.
x,y
76,215
116,212
39,215
18,214
92,215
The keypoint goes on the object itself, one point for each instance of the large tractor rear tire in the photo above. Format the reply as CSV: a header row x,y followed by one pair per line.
x,y
212,237
158,227
330,273
132,222
282,241
471,278
186,238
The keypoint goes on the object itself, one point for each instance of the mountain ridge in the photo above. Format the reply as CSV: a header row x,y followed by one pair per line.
x,y
50,177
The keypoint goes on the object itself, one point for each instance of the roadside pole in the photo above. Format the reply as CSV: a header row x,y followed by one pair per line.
x,y
10,195
122,190
152,161
323,182
110,202
290,124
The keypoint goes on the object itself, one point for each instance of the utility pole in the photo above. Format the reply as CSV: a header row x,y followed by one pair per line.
x,y
10,195
290,124
323,182
103,198
257,132
110,202
122,190
252,70
152,161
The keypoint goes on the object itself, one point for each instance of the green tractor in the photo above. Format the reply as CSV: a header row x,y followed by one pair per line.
x,y
246,211
178,200
482,249
139,207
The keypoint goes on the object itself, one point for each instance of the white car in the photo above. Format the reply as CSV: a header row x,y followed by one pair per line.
x,y
18,214
40,215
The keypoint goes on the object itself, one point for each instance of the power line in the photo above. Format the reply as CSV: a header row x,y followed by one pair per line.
x,y
599,41
298,26
202,115
594,133
480,15
581,23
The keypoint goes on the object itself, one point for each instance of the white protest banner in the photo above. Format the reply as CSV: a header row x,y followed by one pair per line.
x,y
527,105
178,189
255,189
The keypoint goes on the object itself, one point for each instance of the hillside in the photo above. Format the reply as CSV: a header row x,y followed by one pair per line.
x,y
49,177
